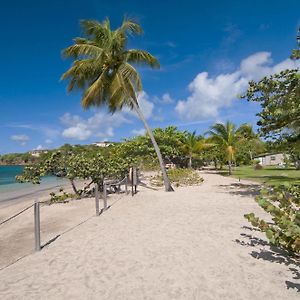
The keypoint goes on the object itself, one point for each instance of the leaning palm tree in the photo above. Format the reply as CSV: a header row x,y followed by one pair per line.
x,y
103,69
226,137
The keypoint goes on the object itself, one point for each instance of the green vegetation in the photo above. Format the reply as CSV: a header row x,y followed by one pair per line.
x,y
61,197
269,175
92,164
17,159
230,140
103,69
279,96
283,204
179,177
192,145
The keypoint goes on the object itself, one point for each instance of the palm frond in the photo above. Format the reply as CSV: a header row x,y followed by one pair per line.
x,y
129,72
79,50
96,94
130,26
82,73
143,57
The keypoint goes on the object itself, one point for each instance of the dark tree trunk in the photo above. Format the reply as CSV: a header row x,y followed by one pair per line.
x,y
216,164
73,186
168,187
230,167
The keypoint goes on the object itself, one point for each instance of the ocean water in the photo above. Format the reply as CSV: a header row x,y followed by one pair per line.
x,y
8,174
10,189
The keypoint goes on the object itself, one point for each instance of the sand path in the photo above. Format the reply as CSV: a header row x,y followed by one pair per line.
x,y
191,244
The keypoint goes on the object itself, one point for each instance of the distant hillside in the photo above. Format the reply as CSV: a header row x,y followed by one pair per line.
x,y
17,159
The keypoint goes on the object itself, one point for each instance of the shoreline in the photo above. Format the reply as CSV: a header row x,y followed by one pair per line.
x,y
15,198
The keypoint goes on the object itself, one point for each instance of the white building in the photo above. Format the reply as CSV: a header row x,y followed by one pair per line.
x,y
103,144
38,152
268,159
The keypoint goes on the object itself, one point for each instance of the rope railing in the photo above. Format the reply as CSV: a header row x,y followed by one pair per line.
x,y
36,205
15,215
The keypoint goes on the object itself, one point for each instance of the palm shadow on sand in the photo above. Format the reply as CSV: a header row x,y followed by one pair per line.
x,y
242,189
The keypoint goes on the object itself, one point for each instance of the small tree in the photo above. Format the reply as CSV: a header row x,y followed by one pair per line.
x,y
283,204
226,137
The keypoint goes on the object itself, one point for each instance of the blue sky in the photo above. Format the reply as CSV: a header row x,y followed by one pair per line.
x,y
208,51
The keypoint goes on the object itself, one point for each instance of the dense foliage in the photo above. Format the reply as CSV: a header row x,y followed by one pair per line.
x,y
179,177
79,164
17,159
279,96
234,144
283,204
177,147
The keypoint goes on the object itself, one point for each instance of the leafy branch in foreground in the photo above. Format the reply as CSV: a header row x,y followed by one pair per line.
x,y
283,204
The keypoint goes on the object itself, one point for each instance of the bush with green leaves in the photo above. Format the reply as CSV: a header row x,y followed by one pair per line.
x,y
92,166
282,203
179,177
62,197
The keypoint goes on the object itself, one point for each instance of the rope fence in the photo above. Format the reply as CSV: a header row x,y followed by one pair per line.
x,y
15,215
107,186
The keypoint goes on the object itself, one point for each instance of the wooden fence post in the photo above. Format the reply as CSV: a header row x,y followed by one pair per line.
x,y
37,226
134,179
131,175
104,196
126,185
97,199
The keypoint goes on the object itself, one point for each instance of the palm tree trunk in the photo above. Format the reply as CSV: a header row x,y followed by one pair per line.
x,y
230,167
190,161
250,152
168,187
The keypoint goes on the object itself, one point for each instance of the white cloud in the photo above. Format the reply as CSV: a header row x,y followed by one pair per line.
x,y
145,104
99,125
210,94
167,99
102,125
39,147
141,131
22,139
48,141
78,132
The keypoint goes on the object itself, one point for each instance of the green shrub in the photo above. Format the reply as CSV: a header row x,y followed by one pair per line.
x,y
179,177
283,204
63,197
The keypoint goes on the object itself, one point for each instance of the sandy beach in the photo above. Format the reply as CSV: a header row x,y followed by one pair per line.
x,y
191,244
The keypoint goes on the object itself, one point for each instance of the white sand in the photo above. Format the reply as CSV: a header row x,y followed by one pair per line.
x,y
190,244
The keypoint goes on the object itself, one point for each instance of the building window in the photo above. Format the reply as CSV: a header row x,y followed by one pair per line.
x,y
273,157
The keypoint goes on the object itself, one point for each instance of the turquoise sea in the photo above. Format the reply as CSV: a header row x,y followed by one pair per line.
x,y
10,189
8,173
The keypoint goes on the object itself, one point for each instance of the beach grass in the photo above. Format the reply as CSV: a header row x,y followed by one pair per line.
x,y
270,175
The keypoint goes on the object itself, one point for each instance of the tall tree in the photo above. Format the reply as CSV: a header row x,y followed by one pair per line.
x,y
226,137
248,145
279,97
103,68
192,144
